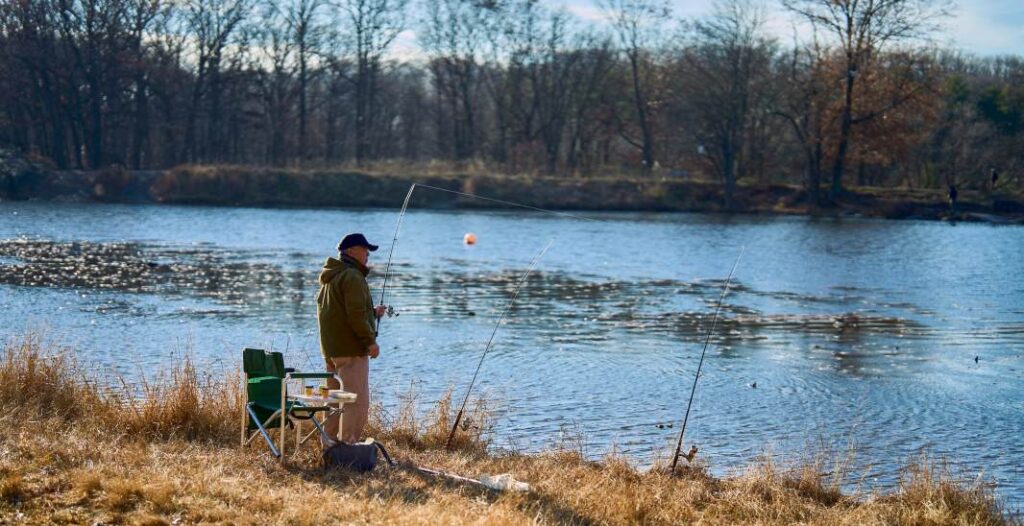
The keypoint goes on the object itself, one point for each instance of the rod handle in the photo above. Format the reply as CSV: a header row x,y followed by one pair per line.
x,y
451,434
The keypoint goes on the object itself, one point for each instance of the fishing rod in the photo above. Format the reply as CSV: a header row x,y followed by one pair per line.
x,y
700,364
462,408
394,241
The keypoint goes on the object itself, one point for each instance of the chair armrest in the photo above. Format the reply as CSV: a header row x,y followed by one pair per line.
x,y
298,376
289,370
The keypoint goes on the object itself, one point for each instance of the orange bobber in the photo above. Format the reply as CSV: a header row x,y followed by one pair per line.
x,y
469,239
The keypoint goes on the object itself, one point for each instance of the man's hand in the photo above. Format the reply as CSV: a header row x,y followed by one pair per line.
x,y
379,310
373,350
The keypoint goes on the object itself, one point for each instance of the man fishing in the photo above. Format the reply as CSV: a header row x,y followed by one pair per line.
x,y
346,318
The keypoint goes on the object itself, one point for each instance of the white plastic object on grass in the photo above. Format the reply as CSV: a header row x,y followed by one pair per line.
x,y
503,482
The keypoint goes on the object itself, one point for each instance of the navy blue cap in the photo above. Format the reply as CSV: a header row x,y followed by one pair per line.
x,y
356,240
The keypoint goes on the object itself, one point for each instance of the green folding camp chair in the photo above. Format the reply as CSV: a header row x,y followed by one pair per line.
x,y
266,404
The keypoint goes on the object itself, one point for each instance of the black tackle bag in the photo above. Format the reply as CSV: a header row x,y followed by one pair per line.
x,y
360,457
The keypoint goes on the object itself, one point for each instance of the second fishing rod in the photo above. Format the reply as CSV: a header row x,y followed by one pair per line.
x,y
490,341
700,365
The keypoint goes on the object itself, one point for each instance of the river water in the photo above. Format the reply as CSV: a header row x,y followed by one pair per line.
x,y
859,334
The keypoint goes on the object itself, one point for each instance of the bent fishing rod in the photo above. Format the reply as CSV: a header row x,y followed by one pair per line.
x,y
700,364
508,307
394,241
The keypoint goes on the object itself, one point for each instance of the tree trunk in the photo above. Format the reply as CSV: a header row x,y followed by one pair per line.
x,y
331,131
213,149
141,125
551,150
814,176
362,95
303,81
469,145
95,141
729,175
191,121
844,137
52,112
641,114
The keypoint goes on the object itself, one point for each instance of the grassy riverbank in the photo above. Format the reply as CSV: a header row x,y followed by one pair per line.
x,y
385,186
73,452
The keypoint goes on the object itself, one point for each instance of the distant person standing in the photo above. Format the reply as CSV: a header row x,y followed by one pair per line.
x,y
348,339
994,174
952,198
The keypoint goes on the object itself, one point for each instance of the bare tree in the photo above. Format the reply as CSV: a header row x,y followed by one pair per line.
x,y
373,26
32,77
152,83
803,104
306,30
512,57
552,85
91,33
534,62
275,65
143,17
637,24
212,23
453,39
729,67
591,96
862,29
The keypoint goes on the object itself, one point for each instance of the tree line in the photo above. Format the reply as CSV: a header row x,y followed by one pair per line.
x,y
859,96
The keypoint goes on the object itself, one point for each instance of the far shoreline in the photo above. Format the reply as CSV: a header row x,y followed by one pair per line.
x,y
263,187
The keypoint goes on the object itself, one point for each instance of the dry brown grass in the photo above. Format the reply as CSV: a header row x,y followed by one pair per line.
x,y
183,403
406,428
175,461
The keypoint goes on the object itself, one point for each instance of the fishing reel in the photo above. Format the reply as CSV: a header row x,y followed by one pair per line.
x,y
391,312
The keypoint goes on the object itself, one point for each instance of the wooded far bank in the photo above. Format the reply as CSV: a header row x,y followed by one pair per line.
x,y
861,97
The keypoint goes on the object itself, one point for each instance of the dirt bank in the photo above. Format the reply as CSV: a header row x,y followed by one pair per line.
x,y
273,187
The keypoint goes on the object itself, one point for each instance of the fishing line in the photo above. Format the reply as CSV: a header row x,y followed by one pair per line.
x,y
405,206
509,203
508,307
700,364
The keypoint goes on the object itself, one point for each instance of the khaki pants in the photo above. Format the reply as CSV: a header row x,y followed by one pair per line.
x,y
355,373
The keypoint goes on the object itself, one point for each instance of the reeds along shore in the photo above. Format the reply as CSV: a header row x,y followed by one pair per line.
x,y
77,451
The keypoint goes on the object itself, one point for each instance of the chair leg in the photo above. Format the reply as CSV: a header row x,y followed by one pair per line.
x,y
284,385
245,404
265,434
263,430
319,428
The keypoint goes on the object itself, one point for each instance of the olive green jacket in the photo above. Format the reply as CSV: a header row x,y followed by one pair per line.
x,y
344,309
